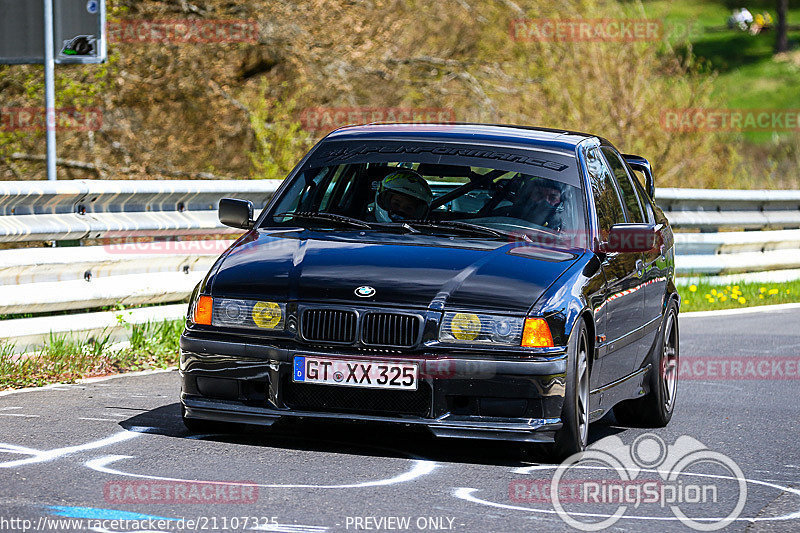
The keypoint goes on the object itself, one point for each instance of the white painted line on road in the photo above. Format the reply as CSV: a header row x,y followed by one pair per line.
x,y
13,448
127,375
98,419
42,456
420,468
54,386
92,381
20,415
9,408
741,310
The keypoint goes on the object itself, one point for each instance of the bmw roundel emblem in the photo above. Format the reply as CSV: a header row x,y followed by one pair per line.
x,y
365,291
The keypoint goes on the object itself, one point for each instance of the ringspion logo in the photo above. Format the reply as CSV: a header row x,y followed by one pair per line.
x,y
682,478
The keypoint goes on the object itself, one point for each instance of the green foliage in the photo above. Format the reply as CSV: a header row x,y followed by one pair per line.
x,y
280,141
233,108
706,296
64,359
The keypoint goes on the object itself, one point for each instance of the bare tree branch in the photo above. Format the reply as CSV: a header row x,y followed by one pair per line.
x,y
101,168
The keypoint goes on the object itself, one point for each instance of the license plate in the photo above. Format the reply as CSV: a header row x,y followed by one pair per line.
x,y
348,373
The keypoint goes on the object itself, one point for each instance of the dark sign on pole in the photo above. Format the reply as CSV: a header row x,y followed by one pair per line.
x,y
79,34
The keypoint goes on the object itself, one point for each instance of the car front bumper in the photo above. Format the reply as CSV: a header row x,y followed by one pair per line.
x,y
466,395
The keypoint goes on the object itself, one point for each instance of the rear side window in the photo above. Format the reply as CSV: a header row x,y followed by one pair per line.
x,y
606,199
629,196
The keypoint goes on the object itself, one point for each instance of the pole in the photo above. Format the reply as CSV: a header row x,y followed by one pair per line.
x,y
49,90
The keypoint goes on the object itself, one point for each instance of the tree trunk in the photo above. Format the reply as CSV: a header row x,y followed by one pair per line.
x,y
782,42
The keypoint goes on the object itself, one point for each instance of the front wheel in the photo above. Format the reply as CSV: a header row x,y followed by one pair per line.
x,y
574,433
656,408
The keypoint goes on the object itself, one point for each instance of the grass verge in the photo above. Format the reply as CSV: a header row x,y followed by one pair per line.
x,y
153,345
708,297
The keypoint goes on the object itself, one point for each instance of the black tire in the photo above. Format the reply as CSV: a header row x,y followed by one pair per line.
x,y
198,425
655,409
574,434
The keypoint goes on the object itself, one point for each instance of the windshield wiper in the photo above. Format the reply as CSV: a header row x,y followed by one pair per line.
x,y
328,217
464,227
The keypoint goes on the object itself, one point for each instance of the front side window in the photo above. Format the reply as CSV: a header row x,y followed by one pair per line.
x,y
626,186
606,199
434,187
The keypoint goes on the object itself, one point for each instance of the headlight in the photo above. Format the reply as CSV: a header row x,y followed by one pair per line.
x,y
252,314
477,328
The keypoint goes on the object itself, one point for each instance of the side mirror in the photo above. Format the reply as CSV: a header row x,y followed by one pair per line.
x,y
643,165
630,238
236,213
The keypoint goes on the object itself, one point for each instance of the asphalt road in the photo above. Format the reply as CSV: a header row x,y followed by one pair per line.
x,y
116,450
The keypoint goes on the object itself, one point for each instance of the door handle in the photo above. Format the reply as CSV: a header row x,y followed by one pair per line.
x,y
639,268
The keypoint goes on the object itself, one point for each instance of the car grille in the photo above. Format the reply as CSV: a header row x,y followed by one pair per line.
x,y
390,329
329,325
332,398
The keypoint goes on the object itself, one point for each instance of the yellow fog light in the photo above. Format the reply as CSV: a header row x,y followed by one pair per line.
x,y
267,315
465,326
232,312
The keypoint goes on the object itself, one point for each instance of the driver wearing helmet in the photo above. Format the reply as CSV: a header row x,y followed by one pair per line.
x,y
542,202
402,195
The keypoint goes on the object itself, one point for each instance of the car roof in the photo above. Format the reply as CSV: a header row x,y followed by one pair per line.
x,y
466,132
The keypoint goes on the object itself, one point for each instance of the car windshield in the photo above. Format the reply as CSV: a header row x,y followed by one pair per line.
x,y
468,192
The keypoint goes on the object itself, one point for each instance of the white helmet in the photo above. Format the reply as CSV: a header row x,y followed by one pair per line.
x,y
402,195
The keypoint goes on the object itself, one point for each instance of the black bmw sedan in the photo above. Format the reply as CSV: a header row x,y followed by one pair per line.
x,y
483,281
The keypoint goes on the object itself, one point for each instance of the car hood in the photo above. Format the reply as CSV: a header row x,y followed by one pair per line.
x,y
419,271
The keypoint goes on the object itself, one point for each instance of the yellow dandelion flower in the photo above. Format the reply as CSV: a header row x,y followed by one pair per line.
x,y
742,300
736,288
714,292
762,289
773,292
723,298
760,296
692,288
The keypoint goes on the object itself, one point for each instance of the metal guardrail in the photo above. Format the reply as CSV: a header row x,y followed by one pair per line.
x,y
719,232
89,209
142,247
724,232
